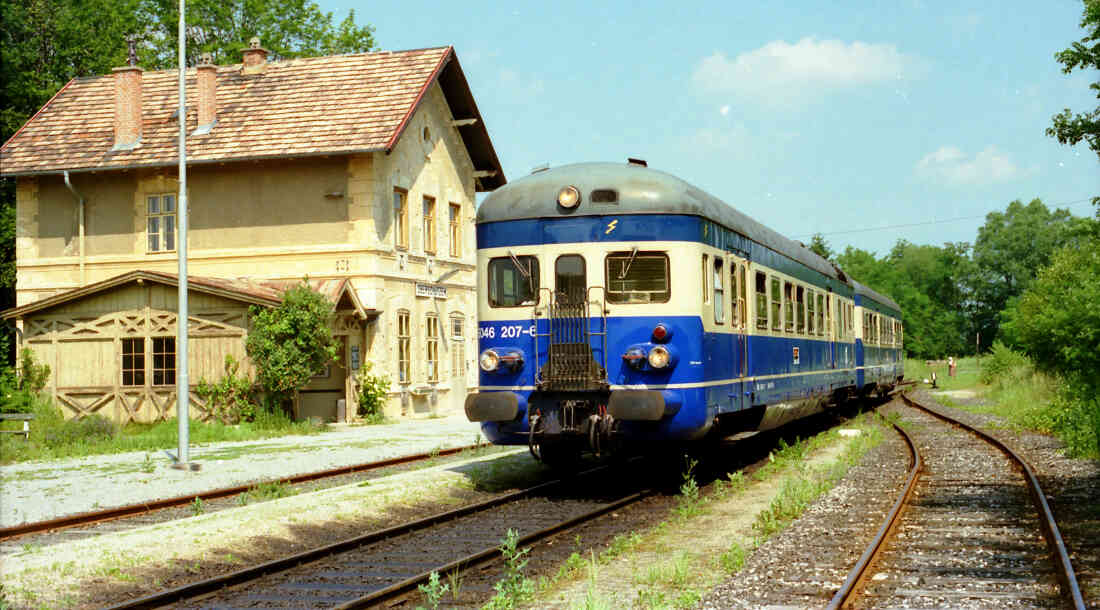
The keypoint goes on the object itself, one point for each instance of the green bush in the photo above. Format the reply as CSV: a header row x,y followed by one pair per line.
x,y
232,399
372,393
20,389
88,429
1003,363
291,343
1075,414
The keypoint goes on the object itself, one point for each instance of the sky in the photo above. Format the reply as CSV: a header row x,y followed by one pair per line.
x,y
866,122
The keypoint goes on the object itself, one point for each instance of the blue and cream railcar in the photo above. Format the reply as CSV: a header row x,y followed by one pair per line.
x,y
621,304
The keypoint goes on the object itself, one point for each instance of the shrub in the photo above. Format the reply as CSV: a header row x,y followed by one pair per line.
x,y
231,400
20,388
1003,363
372,393
1076,417
88,429
291,343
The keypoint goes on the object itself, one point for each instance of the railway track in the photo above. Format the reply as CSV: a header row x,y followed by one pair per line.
x,y
389,564
143,513
971,528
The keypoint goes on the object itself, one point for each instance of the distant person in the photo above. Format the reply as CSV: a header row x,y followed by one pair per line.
x,y
951,366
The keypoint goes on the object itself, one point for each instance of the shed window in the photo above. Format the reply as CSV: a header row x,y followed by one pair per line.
x,y
403,339
513,281
637,277
164,360
761,301
161,219
133,362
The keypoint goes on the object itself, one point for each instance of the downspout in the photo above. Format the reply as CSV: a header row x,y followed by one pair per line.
x,y
79,198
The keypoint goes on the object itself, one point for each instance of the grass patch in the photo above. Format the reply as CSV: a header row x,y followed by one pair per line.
x,y
967,373
264,492
52,436
671,564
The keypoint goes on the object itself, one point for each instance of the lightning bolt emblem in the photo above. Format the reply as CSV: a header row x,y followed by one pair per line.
x,y
611,226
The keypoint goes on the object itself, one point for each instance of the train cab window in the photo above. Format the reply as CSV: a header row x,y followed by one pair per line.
x,y
513,281
637,277
788,307
811,317
570,282
761,301
777,305
719,292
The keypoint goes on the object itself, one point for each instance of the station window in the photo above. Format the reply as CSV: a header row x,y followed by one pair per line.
x,y
637,277
404,337
811,313
161,222
455,219
428,236
431,346
777,305
513,281
761,301
400,218
133,362
164,360
719,292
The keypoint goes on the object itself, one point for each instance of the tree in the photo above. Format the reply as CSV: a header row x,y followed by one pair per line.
x,y
291,343
46,43
1068,127
1011,247
820,247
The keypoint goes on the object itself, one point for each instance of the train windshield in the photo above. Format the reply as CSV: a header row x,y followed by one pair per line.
x,y
637,277
513,281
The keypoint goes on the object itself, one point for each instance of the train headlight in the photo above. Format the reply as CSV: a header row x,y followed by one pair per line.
x,y
488,361
569,197
659,357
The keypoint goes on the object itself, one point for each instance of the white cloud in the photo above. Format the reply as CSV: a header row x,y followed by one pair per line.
x,y
724,110
781,71
952,166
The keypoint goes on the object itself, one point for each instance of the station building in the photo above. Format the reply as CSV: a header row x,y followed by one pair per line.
x,y
356,173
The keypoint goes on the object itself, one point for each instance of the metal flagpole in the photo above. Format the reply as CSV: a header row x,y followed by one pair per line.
x,y
183,393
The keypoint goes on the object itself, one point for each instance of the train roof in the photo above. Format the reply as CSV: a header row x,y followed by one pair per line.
x,y
874,295
641,190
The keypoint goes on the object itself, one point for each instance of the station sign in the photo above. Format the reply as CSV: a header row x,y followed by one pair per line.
x,y
431,290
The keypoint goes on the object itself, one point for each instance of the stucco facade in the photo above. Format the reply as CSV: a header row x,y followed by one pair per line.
x,y
330,218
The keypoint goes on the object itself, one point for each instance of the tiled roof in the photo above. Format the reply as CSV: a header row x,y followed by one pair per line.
x,y
267,293
300,107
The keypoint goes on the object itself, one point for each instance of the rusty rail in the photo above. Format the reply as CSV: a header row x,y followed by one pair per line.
x,y
130,510
1071,591
859,572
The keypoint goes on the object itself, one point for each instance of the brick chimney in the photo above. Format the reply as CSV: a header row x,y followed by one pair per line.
x,y
207,80
128,103
255,57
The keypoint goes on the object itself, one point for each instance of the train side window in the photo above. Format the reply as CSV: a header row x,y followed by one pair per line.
x,y
735,311
822,303
637,277
719,291
513,281
810,328
777,305
761,301
800,309
742,303
788,306
706,278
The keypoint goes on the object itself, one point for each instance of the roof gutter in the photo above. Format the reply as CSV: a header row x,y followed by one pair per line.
x,y
80,198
